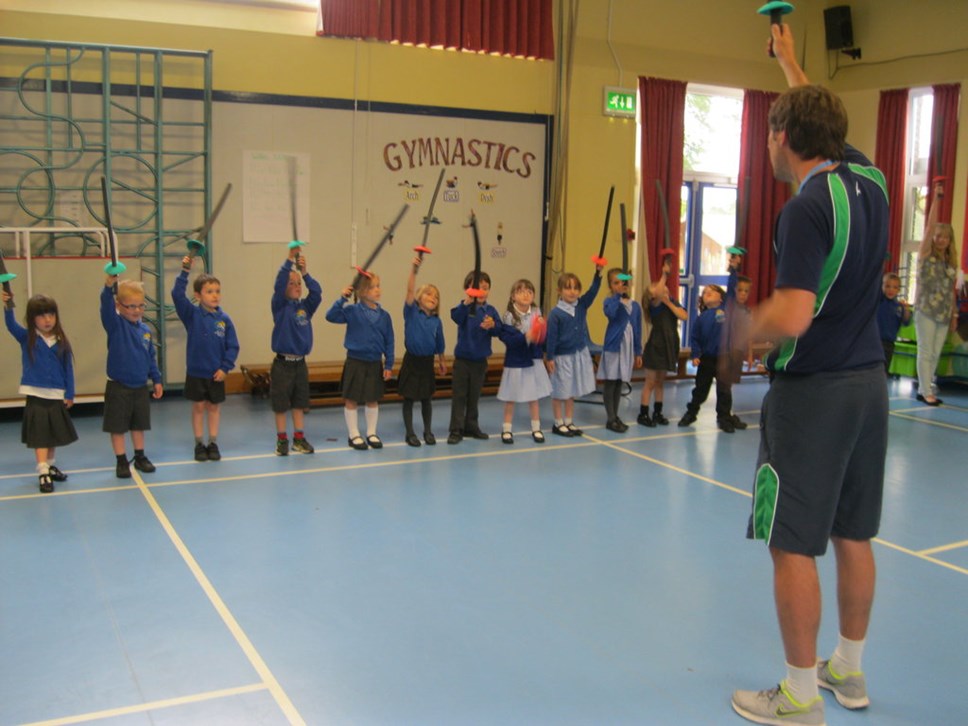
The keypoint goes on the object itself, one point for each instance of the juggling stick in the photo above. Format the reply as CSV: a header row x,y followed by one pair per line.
x,y
600,261
114,267
5,278
624,274
429,219
776,10
196,244
474,290
364,271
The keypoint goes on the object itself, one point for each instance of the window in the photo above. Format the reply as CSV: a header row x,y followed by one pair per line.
x,y
916,181
712,122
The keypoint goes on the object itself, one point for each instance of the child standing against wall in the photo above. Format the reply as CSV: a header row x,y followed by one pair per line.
x,y
369,355
567,357
131,362
523,380
292,340
477,322
423,360
620,351
48,383
211,351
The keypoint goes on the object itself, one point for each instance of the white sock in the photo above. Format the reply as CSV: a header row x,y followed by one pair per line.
x,y
372,414
560,422
847,656
569,422
43,467
801,683
506,428
535,425
352,425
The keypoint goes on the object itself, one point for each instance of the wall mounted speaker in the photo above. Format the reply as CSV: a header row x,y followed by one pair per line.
x,y
839,29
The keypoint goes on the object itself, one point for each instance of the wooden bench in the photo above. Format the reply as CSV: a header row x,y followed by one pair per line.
x,y
324,378
324,381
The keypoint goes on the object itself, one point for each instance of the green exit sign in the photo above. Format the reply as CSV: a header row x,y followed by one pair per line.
x,y
619,102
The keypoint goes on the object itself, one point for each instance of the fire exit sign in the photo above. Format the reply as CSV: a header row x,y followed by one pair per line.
x,y
619,102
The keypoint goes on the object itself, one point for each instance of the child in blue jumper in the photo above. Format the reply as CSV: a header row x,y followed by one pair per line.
x,y
369,355
621,350
707,332
212,349
477,322
292,340
567,357
892,313
131,362
48,383
424,357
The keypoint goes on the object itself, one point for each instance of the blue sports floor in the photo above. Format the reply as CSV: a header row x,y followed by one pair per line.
x,y
602,580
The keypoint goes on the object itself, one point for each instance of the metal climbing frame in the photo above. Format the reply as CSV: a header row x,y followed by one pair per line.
x,y
71,113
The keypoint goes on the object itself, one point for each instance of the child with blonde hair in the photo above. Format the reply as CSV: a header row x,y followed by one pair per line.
x,y
369,355
620,350
522,380
567,358
423,361
131,362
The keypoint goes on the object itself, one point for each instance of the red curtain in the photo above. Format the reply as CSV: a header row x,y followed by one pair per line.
x,y
505,27
663,136
761,197
889,156
348,18
944,143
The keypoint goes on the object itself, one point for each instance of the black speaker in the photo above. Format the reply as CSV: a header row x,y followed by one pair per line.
x,y
839,29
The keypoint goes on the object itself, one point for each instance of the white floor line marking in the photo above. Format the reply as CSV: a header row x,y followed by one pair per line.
x,y
929,422
615,445
151,706
56,493
268,679
944,548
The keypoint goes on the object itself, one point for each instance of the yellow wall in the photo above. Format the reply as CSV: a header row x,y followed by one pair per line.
x,y
718,42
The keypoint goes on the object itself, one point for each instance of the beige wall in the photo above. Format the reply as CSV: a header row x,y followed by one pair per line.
x,y
719,42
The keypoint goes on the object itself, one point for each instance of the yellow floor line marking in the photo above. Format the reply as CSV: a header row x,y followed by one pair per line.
x,y
929,422
151,706
920,556
268,679
56,493
944,548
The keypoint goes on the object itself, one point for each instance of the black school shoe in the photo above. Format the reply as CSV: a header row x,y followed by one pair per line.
x,y
46,485
143,463
201,452
561,431
123,469
56,474
213,453
726,425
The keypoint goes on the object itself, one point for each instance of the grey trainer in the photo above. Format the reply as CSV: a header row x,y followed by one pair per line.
x,y
776,706
850,689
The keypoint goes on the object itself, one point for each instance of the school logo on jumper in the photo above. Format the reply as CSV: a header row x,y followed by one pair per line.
x,y
146,340
220,329
301,317
720,315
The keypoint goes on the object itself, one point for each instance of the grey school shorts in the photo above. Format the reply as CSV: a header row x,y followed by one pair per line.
x,y
126,409
820,471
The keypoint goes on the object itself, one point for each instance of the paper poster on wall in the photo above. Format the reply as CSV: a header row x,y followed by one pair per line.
x,y
276,196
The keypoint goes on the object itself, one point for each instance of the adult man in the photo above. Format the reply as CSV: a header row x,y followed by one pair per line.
x,y
823,442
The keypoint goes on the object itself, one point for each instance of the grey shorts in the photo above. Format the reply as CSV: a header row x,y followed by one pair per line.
x,y
204,389
820,471
288,384
126,409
